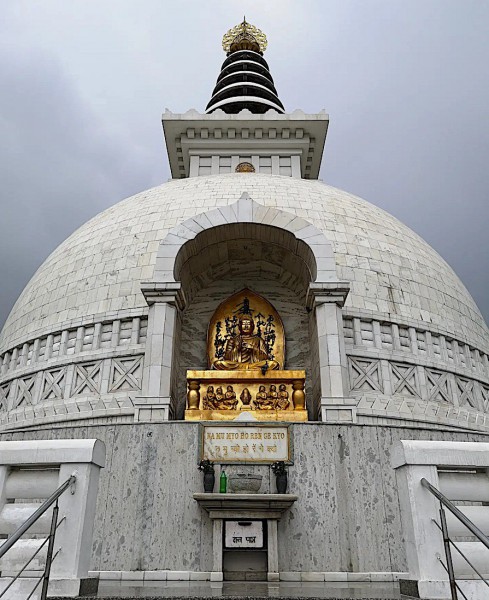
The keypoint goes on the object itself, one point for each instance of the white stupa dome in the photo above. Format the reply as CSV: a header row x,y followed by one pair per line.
x,y
98,269
395,277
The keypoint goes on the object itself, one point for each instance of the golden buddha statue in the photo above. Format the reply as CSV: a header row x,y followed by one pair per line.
x,y
245,350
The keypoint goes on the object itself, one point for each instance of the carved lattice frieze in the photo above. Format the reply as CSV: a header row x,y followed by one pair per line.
x,y
365,375
87,378
4,394
484,396
53,382
125,374
438,389
404,379
25,391
465,388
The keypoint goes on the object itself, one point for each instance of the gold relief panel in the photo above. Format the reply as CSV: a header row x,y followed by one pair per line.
x,y
246,333
246,352
224,396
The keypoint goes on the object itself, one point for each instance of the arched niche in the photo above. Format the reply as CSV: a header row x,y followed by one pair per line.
x,y
213,255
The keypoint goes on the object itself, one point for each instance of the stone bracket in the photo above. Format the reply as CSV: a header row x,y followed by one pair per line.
x,y
172,293
321,292
151,409
338,410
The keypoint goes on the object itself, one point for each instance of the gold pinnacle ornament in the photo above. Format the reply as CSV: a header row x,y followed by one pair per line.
x,y
244,37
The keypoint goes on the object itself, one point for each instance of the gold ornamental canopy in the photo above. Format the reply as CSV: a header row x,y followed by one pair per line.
x,y
244,36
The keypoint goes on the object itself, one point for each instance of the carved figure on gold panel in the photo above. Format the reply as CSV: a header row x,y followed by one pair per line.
x,y
230,400
263,401
245,398
245,350
219,396
283,397
210,399
272,396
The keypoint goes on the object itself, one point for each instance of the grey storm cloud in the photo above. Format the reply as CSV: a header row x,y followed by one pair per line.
x,y
84,84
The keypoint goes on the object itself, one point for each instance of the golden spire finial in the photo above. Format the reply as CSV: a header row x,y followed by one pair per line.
x,y
244,37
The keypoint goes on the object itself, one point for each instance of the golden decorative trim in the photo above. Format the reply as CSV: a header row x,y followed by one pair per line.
x,y
244,37
225,395
245,167
288,416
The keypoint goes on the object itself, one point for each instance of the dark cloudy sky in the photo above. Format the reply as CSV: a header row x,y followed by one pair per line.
x,y
84,83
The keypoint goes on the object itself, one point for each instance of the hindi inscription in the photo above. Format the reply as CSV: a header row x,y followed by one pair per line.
x,y
243,534
245,444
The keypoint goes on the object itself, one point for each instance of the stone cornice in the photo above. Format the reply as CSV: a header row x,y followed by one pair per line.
x,y
192,131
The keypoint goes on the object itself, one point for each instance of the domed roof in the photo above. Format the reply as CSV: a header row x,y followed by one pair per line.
x,y
98,269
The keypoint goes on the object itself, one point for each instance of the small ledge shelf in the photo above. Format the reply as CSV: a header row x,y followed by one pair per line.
x,y
261,506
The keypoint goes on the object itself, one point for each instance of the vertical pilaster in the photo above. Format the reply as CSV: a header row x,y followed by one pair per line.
x,y
217,574
327,300
296,166
194,166
164,301
272,531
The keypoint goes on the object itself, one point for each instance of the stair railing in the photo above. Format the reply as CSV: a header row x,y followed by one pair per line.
x,y
6,546
447,541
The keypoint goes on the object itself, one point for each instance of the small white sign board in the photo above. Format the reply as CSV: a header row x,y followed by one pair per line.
x,y
241,443
243,534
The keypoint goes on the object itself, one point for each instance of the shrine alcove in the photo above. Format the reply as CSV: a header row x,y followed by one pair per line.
x,y
222,260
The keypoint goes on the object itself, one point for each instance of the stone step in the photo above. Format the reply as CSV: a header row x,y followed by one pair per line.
x,y
247,590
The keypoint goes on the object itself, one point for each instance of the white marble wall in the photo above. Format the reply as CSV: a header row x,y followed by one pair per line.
x,y
346,518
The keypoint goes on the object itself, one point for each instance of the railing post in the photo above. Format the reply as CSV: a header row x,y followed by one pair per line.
x,y
419,514
68,574
49,555
448,553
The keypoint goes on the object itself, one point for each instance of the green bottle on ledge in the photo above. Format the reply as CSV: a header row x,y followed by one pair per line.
x,y
223,483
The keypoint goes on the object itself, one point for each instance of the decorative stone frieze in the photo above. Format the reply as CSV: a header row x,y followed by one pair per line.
x,y
400,372
115,334
74,391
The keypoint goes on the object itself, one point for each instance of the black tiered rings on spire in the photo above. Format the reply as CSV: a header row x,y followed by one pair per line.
x,y
245,80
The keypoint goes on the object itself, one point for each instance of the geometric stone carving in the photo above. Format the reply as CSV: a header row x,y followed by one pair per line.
x,y
4,392
438,386
125,374
365,374
25,388
53,384
484,393
87,378
465,389
404,379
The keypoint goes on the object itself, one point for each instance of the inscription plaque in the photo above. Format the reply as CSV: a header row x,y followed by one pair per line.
x,y
243,534
231,443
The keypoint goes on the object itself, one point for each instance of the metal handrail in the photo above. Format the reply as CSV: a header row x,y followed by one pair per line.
x,y
35,515
458,513
444,501
53,499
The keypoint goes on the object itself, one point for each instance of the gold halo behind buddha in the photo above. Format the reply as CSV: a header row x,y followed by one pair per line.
x,y
245,333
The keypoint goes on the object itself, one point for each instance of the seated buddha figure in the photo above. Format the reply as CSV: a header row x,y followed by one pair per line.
x,y
210,399
230,401
263,400
245,350
283,398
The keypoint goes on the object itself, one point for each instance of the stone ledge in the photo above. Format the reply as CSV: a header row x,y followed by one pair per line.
x,y
285,576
